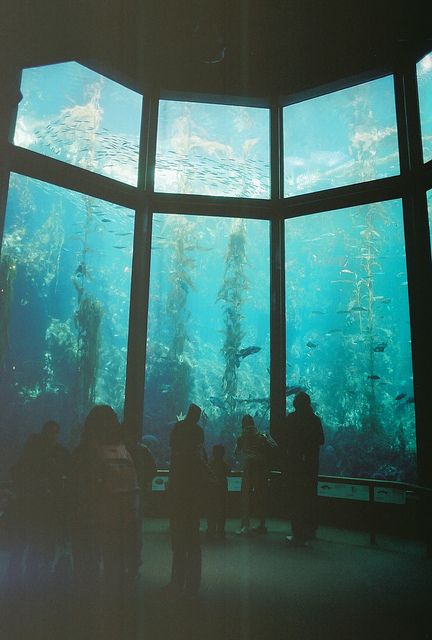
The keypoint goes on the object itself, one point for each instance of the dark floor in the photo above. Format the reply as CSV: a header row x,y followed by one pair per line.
x,y
338,587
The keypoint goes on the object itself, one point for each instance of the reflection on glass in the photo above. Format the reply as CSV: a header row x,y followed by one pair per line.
x,y
73,114
348,337
424,81
213,149
208,333
341,138
65,281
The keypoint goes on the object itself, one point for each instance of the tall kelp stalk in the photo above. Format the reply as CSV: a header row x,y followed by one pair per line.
x,y
7,277
87,317
179,365
232,295
363,148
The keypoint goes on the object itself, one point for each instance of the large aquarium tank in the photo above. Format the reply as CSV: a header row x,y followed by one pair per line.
x,y
348,337
177,240
208,339
65,284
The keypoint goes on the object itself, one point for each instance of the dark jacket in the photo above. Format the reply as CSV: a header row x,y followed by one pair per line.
x,y
300,439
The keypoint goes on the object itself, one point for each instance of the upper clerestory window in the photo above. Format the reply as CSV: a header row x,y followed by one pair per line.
x,y
213,149
424,81
341,138
76,115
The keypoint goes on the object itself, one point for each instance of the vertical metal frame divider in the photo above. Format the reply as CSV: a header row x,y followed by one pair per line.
x,y
418,258
277,272
140,282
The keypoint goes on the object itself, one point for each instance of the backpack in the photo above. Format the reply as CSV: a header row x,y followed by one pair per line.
x,y
116,491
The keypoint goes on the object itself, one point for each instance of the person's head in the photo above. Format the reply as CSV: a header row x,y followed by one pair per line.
x,y
247,421
102,425
302,401
51,430
194,413
218,451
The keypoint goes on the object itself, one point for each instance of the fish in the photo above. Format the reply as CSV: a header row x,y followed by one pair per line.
x,y
400,396
380,347
311,345
247,351
374,377
357,308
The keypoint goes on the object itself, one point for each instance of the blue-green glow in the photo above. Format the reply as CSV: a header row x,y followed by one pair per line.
x,y
209,304
213,149
341,138
65,309
73,114
424,81
348,336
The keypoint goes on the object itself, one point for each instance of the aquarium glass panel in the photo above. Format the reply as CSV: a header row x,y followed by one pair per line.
x,y
213,149
65,286
348,337
424,81
341,138
209,327
73,114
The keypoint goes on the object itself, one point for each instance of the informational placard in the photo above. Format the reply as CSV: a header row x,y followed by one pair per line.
x,y
390,496
159,483
234,483
345,491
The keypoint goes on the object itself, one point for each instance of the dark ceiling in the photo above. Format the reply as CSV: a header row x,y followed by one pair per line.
x,y
246,47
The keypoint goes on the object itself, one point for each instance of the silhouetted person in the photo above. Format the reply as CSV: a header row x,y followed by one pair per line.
x,y
188,485
216,517
40,480
300,438
251,445
146,470
105,522
145,466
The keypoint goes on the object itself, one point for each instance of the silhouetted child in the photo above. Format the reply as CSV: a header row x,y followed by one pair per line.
x,y
219,492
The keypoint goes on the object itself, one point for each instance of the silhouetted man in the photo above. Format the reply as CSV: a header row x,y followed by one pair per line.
x,y
301,437
187,487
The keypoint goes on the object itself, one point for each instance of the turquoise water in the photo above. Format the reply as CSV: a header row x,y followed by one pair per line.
x,y
424,82
66,264
348,336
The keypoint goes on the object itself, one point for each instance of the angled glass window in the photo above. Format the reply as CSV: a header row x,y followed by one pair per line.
x,y
341,138
78,116
213,149
65,288
424,81
348,337
208,332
